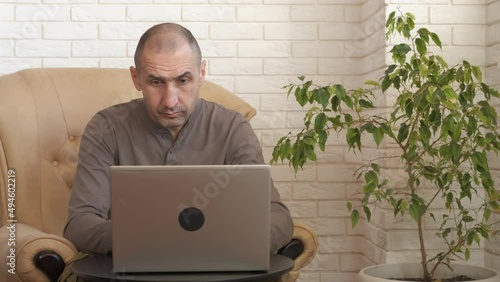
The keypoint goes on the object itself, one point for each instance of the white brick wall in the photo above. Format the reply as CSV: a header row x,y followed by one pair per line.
x,y
492,75
253,48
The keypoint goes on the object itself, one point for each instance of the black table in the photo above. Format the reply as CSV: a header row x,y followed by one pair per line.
x,y
100,268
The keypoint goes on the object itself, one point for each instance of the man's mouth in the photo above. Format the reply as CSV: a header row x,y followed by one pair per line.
x,y
171,114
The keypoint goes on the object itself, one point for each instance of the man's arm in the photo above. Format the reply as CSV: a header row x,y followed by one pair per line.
x,y
245,149
88,226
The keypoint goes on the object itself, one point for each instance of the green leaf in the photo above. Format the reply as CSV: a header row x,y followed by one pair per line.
x,y
408,108
349,206
406,31
449,200
322,137
284,149
446,232
340,90
310,154
390,18
300,96
371,176
415,211
368,128
335,121
290,88
424,131
400,49
468,218
365,104
335,101
353,138
487,214
424,34
378,135
477,73
354,217
470,237
309,141
368,213
410,16
348,102
436,40
403,132
421,46
417,207
390,69
450,94
447,127
467,254
446,77
321,96
320,122
386,83
471,126
305,89
480,161
372,82
410,20
387,130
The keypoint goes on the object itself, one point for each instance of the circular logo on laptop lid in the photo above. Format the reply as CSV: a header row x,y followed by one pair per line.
x,y
191,219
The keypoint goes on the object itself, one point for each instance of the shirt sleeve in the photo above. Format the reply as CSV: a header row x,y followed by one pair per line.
x,y
244,148
89,225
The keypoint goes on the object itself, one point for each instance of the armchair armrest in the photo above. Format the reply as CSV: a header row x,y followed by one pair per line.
x,y
302,249
50,263
33,249
293,249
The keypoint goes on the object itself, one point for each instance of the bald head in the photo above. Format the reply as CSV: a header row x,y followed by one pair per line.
x,y
166,37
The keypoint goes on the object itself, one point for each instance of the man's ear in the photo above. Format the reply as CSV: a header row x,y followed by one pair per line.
x,y
135,78
203,71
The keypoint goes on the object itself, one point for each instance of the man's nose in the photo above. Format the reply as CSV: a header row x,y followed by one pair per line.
x,y
170,97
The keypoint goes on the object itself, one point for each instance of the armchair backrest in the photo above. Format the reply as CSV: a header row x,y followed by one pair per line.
x,y
43,113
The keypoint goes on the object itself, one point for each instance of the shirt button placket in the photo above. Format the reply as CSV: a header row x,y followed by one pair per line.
x,y
171,157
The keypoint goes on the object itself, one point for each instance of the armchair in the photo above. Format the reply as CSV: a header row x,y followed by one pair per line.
x,y
43,113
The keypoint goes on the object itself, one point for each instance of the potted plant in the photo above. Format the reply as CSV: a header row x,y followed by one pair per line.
x,y
444,125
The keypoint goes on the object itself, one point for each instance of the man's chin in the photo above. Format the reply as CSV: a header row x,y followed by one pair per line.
x,y
171,122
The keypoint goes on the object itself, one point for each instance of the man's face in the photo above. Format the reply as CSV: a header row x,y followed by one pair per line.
x,y
170,83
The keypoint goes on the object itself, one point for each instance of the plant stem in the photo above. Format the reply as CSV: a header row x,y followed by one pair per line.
x,y
422,249
423,252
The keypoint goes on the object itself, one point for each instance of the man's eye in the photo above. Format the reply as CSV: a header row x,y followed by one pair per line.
x,y
182,80
155,82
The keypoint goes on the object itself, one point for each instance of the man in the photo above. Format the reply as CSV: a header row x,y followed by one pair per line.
x,y
171,125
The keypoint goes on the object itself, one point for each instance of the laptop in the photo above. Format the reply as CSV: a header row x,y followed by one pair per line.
x,y
190,218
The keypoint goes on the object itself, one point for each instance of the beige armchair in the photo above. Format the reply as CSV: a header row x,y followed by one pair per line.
x,y
43,113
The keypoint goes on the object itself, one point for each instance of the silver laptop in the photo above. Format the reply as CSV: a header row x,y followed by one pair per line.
x,y
190,218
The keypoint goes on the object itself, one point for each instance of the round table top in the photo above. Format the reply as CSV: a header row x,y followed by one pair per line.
x,y
100,268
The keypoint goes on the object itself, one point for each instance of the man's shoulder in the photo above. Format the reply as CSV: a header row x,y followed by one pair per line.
x,y
219,112
122,110
118,115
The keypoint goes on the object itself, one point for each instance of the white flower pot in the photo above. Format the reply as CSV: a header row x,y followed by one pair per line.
x,y
382,273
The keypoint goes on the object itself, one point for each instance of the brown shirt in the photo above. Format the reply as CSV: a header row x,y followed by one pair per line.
x,y
125,134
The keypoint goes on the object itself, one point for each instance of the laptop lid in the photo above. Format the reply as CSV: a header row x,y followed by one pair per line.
x,y
190,218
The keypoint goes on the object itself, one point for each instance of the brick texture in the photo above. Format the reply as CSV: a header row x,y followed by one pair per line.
x,y
253,48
